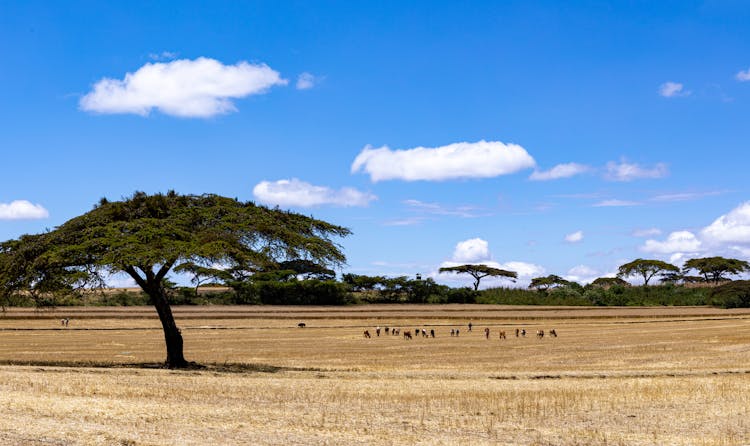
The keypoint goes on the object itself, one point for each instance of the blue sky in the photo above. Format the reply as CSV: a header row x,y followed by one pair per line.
x,y
545,138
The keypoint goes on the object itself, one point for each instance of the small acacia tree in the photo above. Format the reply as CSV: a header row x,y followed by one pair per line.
x,y
545,283
715,269
645,268
147,236
478,272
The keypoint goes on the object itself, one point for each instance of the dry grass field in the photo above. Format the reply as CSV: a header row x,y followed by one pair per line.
x,y
643,376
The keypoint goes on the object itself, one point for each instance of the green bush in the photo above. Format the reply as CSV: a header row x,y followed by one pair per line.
x,y
731,295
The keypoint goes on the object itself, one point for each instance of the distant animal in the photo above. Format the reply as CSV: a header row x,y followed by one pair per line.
x,y
367,334
301,325
457,332
523,332
470,326
553,333
424,333
377,331
517,331
486,333
386,330
453,332
407,334
432,333
540,334
502,334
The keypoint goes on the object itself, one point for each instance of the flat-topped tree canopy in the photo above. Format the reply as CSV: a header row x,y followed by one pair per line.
x,y
147,236
478,272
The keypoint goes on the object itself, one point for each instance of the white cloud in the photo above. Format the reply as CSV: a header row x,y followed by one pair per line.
x,y
648,232
483,159
559,171
574,237
22,210
676,242
471,251
583,274
164,55
306,81
672,89
685,196
624,171
732,228
615,203
198,88
524,269
743,76
440,209
301,194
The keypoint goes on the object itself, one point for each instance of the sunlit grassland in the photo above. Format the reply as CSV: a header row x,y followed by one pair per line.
x,y
621,376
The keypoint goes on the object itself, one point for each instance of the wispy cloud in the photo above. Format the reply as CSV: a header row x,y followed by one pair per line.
x,y
464,211
685,196
648,232
615,203
672,90
559,171
483,159
743,76
198,88
301,194
22,210
625,171
306,81
574,237
164,55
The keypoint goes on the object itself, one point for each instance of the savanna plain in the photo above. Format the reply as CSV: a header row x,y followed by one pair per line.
x,y
622,376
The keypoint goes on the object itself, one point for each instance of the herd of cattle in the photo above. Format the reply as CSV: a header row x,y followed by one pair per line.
x,y
455,332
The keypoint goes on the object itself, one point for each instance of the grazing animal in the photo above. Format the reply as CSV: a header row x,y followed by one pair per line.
x,y
367,334
432,333
386,330
486,333
407,334
301,325
540,334
377,331
457,332
523,332
470,326
453,332
424,333
62,322
517,331
553,333
502,334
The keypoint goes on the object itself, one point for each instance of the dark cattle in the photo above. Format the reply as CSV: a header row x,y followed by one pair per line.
x,y
432,333
553,333
502,334
486,333
517,331
377,331
523,332
540,334
301,325
367,334
470,326
386,330
407,334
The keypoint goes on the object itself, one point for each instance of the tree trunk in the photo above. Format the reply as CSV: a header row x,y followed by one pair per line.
x,y
172,335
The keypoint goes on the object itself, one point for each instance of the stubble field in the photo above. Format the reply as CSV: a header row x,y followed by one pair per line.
x,y
613,376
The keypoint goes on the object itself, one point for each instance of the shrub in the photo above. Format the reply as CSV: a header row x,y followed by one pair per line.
x,y
731,295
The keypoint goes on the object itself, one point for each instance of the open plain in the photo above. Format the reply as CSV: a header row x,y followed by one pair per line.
x,y
626,376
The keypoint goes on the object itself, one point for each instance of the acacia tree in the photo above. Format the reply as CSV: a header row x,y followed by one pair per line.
x,y
607,282
714,269
147,236
645,268
478,272
545,283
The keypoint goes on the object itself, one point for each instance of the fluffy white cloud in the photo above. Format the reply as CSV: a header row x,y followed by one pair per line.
x,y
672,89
624,171
615,203
731,228
471,251
679,241
481,159
525,270
582,274
301,194
306,81
187,88
560,171
574,237
743,76
22,210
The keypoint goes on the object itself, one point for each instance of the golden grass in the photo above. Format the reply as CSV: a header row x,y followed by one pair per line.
x,y
633,376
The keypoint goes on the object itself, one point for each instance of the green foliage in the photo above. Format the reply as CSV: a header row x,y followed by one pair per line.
x,y
478,272
645,268
731,295
715,269
545,283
